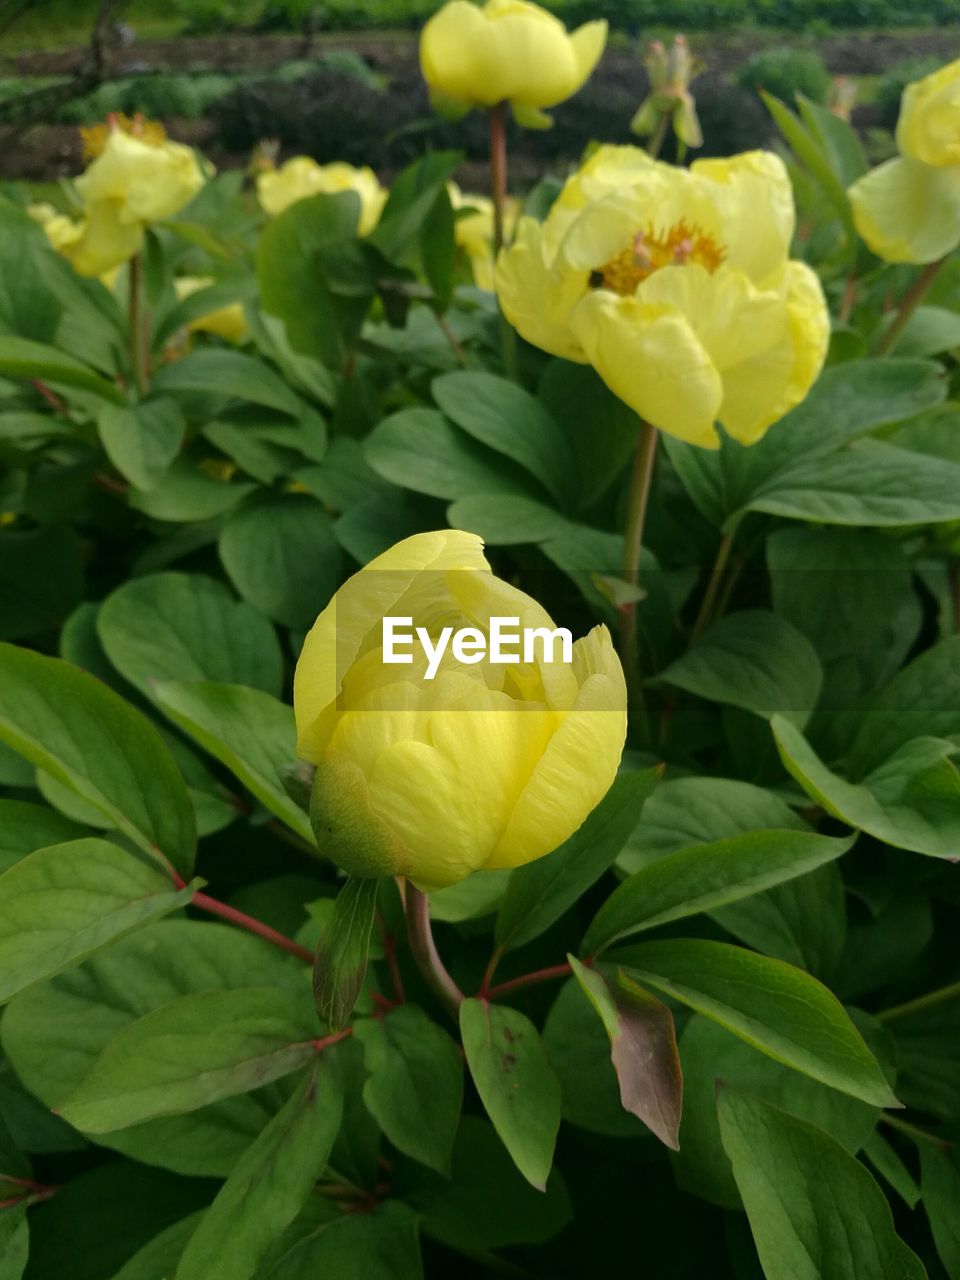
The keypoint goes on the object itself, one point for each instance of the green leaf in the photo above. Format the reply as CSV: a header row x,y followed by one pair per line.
x,y
179,626
516,1084
20,358
340,966
54,1033
41,579
643,1048
25,827
420,450
813,1209
838,140
64,902
269,1185
412,197
27,306
142,440
281,555
253,734
228,373
888,1164
187,494
539,893
506,519
810,150
86,737
487,1204
296,268
752,660
911,801
191,1052
159,1257
711,1056
868,483
380,1245
707,876
940,1185
414,1088
778,1009
508,419
929,331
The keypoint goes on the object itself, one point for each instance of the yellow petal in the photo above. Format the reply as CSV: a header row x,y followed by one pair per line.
x,y
301,177
106,241
649,356
907,211
928,129
579,764
149,182
535,298
588,43
752,200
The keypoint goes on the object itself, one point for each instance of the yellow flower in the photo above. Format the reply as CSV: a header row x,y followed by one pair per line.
x,y
485,765
908,209
507,51
144,181
301,176
228,322
677,286
474,231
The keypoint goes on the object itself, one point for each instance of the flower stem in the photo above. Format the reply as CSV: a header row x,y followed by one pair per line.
x,y
638,500
911,1131
911,300
940,996
713,586
214,907
425,954
498,193
659,136
530,979
138,326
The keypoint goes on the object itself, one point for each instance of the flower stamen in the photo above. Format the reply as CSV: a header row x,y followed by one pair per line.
x,y
649,251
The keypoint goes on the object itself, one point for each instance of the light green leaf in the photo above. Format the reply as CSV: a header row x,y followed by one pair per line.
x,y
516,1084
186,494
20,358
381,1245
269,1185
707,876
813,1209
87,738
251,733
62,903
227,373
142,440
414,1087
778,1009
752,660
191,1052
539,893
179,626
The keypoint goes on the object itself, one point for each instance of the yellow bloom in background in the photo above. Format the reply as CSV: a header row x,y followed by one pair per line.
x,y
507,51
94,245
474,231
908,209
486,765
301,177
228,322
678,287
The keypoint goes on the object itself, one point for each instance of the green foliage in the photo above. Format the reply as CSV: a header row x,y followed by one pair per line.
x,y
785,72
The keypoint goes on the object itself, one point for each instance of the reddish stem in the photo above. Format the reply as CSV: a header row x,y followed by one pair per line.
x,y
204,902
51,397
327,1041
390,955
531,979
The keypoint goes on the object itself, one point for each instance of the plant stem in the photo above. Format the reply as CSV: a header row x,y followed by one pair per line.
x,y
531,979
713,586
658,136
942,994
138,326
424,951
498,193
638,500
911,1131
451,338
203,902
911,300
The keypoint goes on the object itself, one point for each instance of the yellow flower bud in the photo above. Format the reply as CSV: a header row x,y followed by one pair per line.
x,y
677,286
473,231
484,764
145,181
301,177
908,209
507,51
228,322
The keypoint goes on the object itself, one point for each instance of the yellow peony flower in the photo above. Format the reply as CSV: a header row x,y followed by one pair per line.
x,y
474,231
677,286
507,51
145,181
301,176
96,244
908,209
228,322
485,765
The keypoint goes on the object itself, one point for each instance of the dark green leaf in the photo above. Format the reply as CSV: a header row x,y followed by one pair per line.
x,y
227,373
340,967
940,1185
381,1245
20,358
142,440
25,827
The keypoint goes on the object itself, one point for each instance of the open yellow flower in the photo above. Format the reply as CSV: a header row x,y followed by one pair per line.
x,y
506,51
94,245
678,287
473,231
301,177
908,209
485,765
